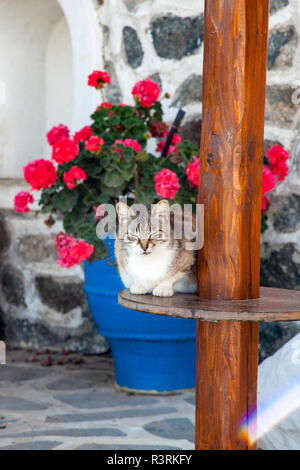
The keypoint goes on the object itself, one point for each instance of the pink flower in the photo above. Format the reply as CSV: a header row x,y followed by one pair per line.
x,y
97,79
146,92
64,151
71,251
166,183
21,201
57,133
74,176
175,139
128,143
268,180
171,149
268,183
94,144
40,174
105,105
278,156
192,171
82,135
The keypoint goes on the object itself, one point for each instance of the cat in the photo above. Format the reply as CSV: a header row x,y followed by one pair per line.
x,y
149,258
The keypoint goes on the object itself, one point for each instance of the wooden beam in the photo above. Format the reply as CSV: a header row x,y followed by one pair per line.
x,y
231,157
234,80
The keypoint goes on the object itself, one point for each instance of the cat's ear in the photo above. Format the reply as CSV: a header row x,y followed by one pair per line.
x,y
162,208
124,212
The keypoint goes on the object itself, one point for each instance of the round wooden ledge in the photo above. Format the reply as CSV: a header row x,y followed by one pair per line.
x,y
273,305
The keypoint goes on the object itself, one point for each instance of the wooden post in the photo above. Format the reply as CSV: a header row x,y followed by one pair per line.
x,y
234,80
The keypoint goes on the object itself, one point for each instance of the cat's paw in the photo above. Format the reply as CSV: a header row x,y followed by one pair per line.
x,y
136,289
163,291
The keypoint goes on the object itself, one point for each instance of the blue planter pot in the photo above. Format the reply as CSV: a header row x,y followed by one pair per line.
x,y
150,352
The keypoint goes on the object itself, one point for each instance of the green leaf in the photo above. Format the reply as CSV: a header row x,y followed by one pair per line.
x,y
141,156
113,178
86,231
65,200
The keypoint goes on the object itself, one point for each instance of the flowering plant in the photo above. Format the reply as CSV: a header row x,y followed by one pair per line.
x,y
109,158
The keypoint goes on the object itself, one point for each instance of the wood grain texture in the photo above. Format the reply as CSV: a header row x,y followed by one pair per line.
x,y
234,80
272,305
226,382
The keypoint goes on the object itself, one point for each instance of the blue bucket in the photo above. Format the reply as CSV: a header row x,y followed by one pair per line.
x,y
151,353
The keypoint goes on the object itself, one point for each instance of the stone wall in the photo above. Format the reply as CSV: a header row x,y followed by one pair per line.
x,y
163,40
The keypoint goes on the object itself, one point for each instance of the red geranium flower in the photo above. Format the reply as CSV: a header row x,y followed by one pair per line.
x,y
171,149
132,143
21,201
64,151
97,79
94,144
158,129
268,180
82,135
146,92
57,133
40,174
278,156
192,171
71,251
166,183
74,177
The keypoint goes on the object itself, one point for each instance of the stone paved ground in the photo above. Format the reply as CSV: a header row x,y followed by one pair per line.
x,y
71,402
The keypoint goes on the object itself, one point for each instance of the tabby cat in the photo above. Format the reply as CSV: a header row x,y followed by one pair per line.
x,y
150,259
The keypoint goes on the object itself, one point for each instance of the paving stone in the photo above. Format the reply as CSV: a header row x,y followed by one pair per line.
x,y
75,381
8,403
20,374
35,445
133,47
75,432
124,447
175,428
190,400
94,400
175,37
117,414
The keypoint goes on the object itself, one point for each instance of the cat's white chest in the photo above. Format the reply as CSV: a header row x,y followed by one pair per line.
x,y
147,270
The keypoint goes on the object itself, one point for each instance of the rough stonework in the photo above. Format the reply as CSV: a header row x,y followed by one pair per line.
x,y
175,37
133,47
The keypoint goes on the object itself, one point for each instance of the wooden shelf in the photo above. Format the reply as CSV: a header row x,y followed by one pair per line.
x,y
273,305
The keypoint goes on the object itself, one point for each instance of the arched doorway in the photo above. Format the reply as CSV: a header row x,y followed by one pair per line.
x,y
47,49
